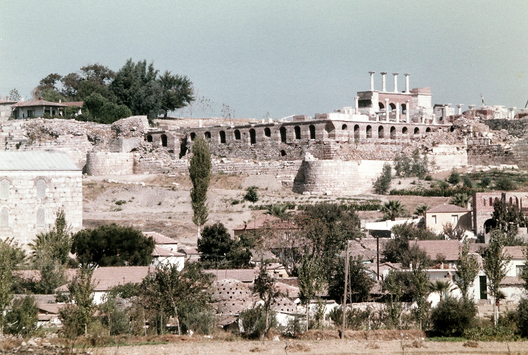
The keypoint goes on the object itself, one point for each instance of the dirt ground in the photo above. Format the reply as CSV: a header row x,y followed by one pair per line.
x,y
333,346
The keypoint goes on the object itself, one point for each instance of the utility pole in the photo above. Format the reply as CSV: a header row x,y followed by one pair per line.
x,y
345,293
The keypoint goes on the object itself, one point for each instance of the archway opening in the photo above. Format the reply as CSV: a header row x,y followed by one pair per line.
x,y
193,135
252,136
283,153
405,131
222,137
356,132
369,131
393,132
207,135
163,140
283,135
237,134
381,132
267,132
489,225
297,132
427,130
149,138
417,130
312,131
344,127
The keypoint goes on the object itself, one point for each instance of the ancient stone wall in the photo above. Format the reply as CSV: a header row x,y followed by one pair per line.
x,y
30,200
337,177
105,163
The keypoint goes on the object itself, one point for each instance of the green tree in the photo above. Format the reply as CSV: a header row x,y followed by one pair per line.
x,y
440,286
264,287
101,110
460,200
176,92
200,173
392,209
10,257
251,195
78,314
420,210
420,164
179,294
112,245
505,183
495,264
215,243
507,217
382,183
14,95
359,282
402,165
135,85
451,232
467,181
454,178
451,317
467,269
311,281
23,318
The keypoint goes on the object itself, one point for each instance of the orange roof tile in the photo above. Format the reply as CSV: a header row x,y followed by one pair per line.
x,y
446,208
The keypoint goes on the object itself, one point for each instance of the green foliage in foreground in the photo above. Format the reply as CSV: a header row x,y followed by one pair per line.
x,y
451,317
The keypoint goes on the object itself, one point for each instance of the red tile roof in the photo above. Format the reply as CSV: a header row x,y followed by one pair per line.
x,y
516,252
244,275
446,208
160,238
38,103
449,248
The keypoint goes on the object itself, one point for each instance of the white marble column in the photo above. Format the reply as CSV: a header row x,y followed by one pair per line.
x,y
356,102
460,108
395,81
397,112
407,111
383,81
407,82
372,80
387,109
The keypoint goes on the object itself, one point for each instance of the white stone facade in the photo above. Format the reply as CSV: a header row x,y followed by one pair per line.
x,y
30,200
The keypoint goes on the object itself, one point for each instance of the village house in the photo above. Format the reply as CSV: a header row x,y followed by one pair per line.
x,y
438,217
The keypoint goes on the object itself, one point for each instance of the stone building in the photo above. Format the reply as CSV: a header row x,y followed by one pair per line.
x,y
34,186
437,217
483,207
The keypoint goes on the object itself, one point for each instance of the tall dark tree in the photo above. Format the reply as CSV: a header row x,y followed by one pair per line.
x,y
467,270
113,245
200,173
495,263
507,217
177,92
359,281
136,86
264,287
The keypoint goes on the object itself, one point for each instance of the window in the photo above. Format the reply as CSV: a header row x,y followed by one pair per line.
x,y
252,136
163,140
222,137
267,132
4,218
297,132
4,188
312,131
193,135
30,113
519,270
41,217
283,134
454,220
237,134
434,219
41,188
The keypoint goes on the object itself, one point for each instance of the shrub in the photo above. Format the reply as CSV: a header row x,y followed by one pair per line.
x,y
452,316
382,183
485,181
251,194
454,178
505,183
23,317
522,318
254,321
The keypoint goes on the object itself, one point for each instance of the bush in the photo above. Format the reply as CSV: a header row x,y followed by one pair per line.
x,y
505,183
485,181
382,183
452,316
23,317
251,194
254,322
522,318
454,178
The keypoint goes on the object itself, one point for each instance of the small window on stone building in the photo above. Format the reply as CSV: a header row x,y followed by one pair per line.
x,y
484,202
267,132
283,153
252,136
222,137
312,131
356,132
4,218
344,127
297,132
4,188
283,134
491,201
427,130
417,130
434,219
369,132
41,217
454,220
237,134
163,140
207,135
41,188
193,135
149,138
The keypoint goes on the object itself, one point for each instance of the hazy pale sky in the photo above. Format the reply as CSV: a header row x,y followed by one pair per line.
x,y
282,57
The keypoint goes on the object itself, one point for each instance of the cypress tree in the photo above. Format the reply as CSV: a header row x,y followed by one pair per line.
x,y
200,172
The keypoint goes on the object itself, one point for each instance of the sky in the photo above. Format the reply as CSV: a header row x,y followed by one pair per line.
x,y
277,58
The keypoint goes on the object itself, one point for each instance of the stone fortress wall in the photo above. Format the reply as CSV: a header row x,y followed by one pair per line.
x,y
342,151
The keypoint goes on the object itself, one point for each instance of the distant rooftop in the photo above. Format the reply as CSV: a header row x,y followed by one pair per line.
x,y
36,161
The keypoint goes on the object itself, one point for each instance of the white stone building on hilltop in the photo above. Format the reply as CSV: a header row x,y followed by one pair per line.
x,y
34,186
